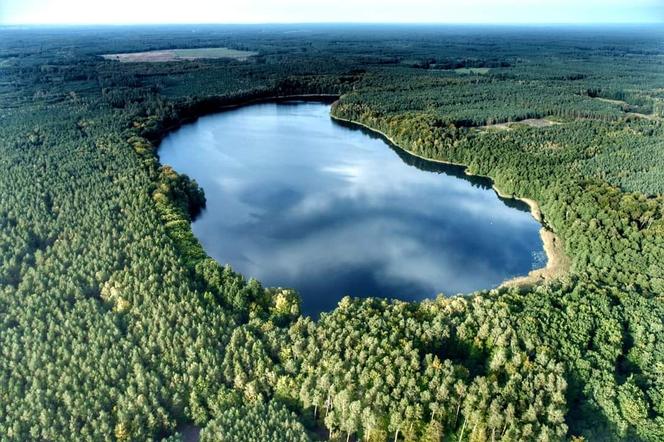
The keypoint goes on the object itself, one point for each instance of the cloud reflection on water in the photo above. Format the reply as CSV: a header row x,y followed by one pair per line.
x,y
297,200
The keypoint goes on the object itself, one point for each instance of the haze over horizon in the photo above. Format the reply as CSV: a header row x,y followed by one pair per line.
x,y
63,12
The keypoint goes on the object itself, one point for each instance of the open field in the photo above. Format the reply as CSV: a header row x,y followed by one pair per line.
x,y
179,55
480,71
532,122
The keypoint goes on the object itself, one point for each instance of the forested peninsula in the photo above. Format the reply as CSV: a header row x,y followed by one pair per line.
x,y
116,325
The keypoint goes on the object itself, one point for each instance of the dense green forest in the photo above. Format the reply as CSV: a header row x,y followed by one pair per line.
x,y
115,325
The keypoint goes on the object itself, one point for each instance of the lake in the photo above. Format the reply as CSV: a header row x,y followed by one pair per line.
x,y
295,199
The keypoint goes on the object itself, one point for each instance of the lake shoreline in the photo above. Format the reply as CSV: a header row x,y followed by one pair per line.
x,y
557,262
159,135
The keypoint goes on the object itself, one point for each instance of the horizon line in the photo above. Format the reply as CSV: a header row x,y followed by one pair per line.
x,y
413,23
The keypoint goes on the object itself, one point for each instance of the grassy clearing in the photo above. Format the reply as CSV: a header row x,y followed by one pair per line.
x,y
480,71
532,122
180,55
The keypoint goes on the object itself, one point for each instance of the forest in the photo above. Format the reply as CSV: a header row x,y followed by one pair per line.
x,y
115,324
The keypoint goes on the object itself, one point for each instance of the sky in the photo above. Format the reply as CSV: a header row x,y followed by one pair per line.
x,y
15,12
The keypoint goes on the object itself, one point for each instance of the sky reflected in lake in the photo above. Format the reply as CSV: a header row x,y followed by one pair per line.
x,y
297,200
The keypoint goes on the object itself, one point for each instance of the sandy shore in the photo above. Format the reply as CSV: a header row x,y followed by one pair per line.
x,y
557,262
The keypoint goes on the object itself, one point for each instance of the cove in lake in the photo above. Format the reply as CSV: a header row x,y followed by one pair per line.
x,y
295,199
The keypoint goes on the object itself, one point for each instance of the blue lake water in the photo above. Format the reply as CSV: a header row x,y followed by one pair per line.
x,y
295,199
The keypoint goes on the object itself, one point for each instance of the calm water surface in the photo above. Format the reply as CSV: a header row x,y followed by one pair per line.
x,y
297,200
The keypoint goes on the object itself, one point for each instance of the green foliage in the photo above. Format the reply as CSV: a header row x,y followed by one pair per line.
x,y
375,366
255,422
115,324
